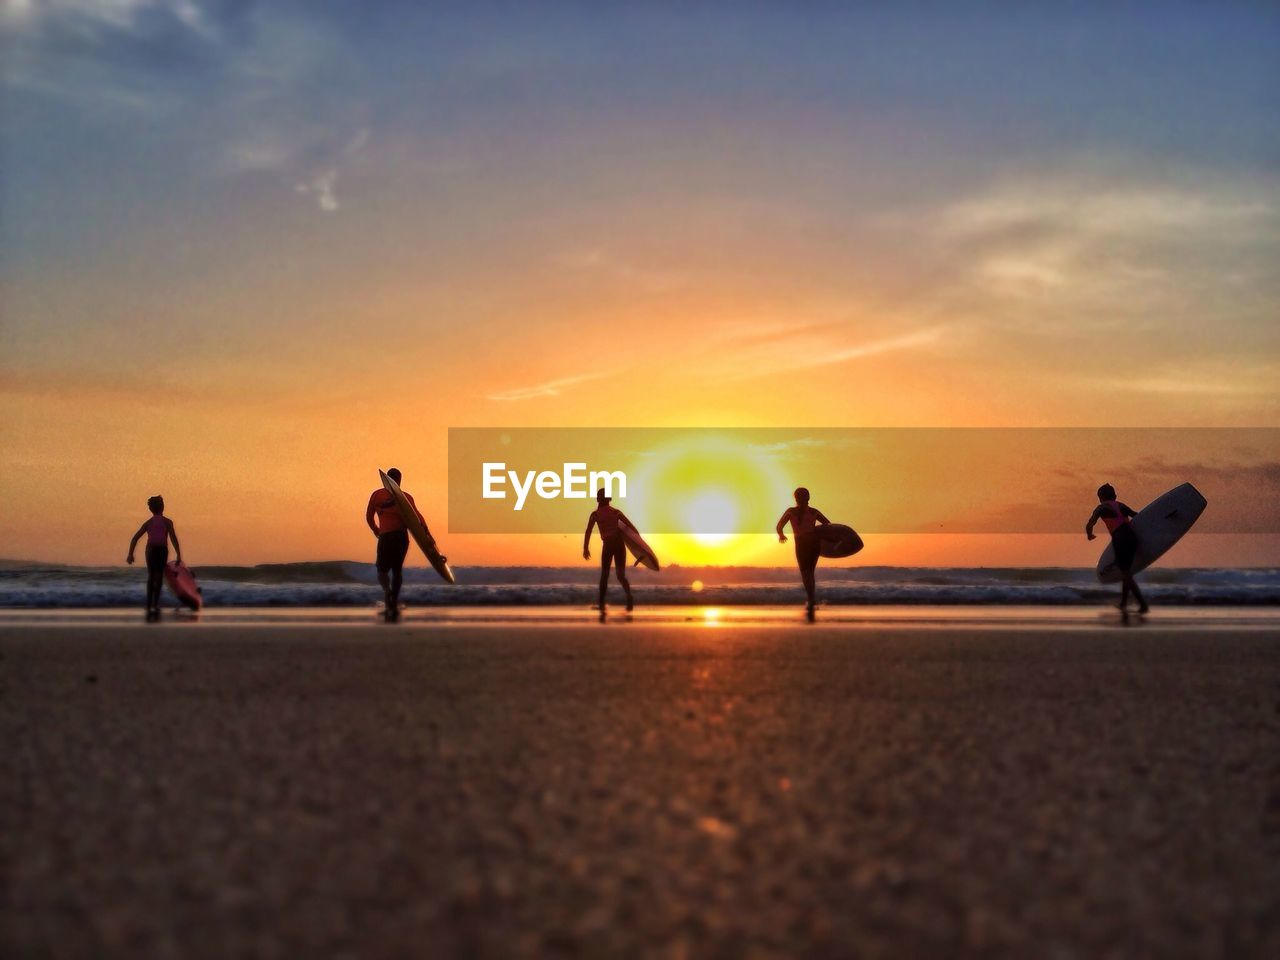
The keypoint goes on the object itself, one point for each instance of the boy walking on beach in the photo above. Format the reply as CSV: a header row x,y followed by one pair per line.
x,y
612,548
1117,517
804,521
158,531
393,542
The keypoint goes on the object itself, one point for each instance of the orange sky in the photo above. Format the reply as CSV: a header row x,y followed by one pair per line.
x,y
248,286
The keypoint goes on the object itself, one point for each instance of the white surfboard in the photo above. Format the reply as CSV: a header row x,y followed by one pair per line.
x,y
639,549
1158,526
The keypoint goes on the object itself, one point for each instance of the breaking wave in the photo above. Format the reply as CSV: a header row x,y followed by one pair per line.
x,y
342,583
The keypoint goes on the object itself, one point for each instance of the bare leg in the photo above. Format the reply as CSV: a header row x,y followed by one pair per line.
x,y
153,591
1132,586
809,564
807,561
397,578
621,562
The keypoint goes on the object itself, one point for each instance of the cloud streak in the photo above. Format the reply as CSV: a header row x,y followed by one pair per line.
x,y
551,388
277,92
772,349
1094,246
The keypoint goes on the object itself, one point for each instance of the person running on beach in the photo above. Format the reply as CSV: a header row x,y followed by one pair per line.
x,y
1117,517
158,531
612,548
804,521
393,542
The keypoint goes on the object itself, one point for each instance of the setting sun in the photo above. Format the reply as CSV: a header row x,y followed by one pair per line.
x,y
723,491
716,509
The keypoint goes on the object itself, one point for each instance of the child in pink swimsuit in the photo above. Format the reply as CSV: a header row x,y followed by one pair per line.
x,y
158,531
1116,516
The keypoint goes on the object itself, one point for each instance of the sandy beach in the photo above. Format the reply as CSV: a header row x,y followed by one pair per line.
x,y
634,789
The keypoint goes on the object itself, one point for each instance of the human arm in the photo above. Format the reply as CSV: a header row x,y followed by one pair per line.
x,y
586,537
173,535
820,515
134,542
1088,527
626,521
1128,511
782,522
371,511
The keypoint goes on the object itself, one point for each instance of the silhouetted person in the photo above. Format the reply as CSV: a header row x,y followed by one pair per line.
x,y
158,531
1117,517
612,547
393,542
804,521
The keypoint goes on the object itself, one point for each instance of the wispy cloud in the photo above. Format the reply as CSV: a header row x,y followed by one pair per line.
x,y
869,348
101,23
308,155
610,266
100,55
1208,378
321,187
308,158
1194,386
552,388
768,349
1097,247
1085,206
277,90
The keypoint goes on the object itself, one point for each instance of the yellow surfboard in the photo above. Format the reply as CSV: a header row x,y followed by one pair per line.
x,y
417,529
639,549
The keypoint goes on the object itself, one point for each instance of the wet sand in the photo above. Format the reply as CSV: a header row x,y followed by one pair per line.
x,y
639,789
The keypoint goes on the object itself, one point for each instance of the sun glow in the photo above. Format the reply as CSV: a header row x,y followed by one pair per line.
x,y
709,497
711,515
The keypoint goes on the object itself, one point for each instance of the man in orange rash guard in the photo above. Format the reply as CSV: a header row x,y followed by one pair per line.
x,y
393,541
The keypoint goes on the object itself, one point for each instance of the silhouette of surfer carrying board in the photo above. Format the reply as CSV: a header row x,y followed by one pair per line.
x,y
613,548
393,542
1118,518
804,521
158,531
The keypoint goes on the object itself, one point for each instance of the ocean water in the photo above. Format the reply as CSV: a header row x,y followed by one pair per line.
x,y
352,584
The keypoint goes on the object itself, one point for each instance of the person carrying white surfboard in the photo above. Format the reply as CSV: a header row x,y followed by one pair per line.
x,y
1118,516
613,549
158,531
393,541
804,521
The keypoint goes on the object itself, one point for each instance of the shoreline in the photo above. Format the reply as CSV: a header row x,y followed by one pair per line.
x,y
893,616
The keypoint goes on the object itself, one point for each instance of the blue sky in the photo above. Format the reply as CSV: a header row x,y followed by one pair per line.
x,y
113,103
